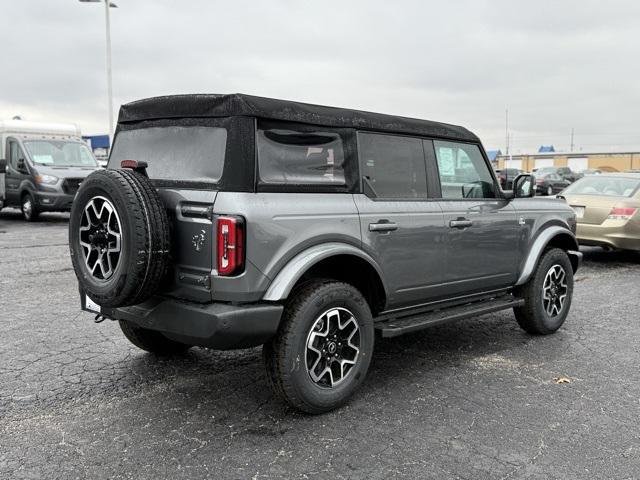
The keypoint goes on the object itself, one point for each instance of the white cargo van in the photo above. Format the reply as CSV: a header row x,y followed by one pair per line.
x,y
41,166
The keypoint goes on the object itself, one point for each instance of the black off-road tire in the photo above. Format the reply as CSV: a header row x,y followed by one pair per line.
x,y
32,214
151,341
284,356
532,317
145,241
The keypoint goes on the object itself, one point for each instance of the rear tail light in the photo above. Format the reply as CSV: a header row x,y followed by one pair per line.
x,y
230,240
540,181
621,213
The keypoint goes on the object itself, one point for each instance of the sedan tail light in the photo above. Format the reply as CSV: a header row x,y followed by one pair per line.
x,y
621,213
230,240
539,181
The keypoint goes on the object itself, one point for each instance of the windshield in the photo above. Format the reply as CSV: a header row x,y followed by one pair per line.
x,y
174,153
58,153
601,185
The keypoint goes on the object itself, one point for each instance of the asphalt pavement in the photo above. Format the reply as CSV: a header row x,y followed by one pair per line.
x,y
472,400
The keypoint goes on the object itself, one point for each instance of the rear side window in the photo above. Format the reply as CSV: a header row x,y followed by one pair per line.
x,y
393,166
287,157
174,153
463,171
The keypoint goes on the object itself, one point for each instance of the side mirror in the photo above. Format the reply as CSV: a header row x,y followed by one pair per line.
x,y
3,165
22,167
524,186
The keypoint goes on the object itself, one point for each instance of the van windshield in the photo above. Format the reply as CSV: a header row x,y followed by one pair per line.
x,y
58,153
174,153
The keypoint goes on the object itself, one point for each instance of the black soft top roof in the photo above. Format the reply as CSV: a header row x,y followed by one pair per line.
x,y
237,104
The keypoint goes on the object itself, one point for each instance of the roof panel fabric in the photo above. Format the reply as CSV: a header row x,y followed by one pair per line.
x,y
219,105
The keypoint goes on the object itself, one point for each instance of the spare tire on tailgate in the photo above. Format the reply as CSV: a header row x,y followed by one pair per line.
x,y
118,238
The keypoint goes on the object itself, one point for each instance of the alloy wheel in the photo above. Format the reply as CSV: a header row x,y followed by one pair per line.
x,y
100,238
554,290
27,207
333,347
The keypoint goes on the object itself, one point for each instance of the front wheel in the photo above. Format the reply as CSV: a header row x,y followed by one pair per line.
x,y
547,294
29,208
323,347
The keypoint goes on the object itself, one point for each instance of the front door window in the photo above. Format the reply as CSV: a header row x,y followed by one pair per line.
x,y
463,171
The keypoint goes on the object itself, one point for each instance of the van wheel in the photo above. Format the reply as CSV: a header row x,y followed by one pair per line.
x,y
323,347
547,294
29,208
151,341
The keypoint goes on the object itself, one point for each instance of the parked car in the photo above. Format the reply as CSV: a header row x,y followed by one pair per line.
x,y
506,177
564,172
230,221
590,171
550,183
607,209
41,166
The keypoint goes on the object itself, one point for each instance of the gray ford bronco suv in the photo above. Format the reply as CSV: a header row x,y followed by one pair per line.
x,y
231,221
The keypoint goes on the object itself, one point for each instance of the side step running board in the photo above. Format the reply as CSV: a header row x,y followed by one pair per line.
x,y
401,325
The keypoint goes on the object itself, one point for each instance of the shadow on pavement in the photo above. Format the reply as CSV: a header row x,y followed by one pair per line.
x,y
600,255
13,215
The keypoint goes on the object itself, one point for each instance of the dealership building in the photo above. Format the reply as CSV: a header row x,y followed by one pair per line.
x,y
577,161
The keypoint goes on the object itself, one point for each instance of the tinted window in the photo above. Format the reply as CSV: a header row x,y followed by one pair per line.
x,y
286,157
13,154
393,166
174,153
463,171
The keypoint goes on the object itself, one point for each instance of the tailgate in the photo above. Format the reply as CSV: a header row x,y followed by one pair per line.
x,y
190,216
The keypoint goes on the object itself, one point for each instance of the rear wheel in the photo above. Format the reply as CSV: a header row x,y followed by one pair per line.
x,y
151,341
547,295
549,190
29,208
323,348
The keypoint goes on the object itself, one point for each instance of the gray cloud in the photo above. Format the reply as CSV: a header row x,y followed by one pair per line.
x,y
556,65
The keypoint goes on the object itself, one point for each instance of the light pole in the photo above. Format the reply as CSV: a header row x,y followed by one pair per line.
x,y
107,4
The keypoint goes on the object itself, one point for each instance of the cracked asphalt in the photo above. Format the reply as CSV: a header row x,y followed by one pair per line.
x,y
472,400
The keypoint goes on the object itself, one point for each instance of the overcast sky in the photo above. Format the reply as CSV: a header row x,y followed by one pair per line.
x,y
556,65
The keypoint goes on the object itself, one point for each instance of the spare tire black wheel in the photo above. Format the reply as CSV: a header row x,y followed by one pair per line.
x,y
118,238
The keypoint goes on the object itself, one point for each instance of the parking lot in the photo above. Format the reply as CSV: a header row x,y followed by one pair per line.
x,y
476,399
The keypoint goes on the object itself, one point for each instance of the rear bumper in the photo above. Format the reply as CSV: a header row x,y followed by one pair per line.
x,y
53,201
215,325
612,236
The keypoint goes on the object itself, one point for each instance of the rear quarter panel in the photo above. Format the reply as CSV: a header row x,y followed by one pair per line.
x,y
280,226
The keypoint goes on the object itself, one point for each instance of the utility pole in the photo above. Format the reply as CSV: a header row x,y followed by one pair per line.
x,y
506,130
109,80
571,139
107,4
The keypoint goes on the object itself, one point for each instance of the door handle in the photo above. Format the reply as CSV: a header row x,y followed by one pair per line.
x,y
460,223
383,226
